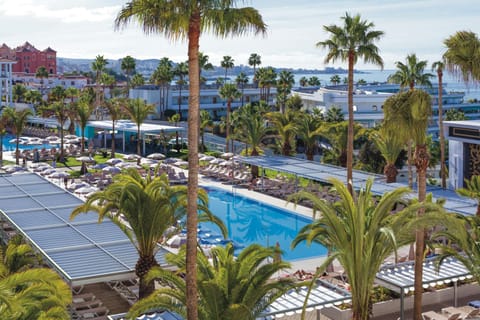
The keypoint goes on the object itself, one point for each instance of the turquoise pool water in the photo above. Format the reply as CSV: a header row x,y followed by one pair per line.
x,y
249,221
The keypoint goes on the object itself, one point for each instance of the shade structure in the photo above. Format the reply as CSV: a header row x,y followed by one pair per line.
x,y
323,173
82,250
322,295
114,161
401,277
132,157
85,159
59,175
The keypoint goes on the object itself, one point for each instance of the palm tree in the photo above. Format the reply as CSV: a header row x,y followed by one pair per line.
x,y
438,66
227,63
28,292
72,93
231,287
205,122
204,64
229,92
314,81
180,71
241,80
138,111
251,118
337,135
128,67
407,113
266,79
254,60
303,81
460,231
150,205
284,126
17,120
163,76
377,235
408,75
355,39
222,19
472,190
60,111
82,111
335,79
390,144
19,91
285,82
461,57
34,97
41,73
308,132
115,109
137,80
99,67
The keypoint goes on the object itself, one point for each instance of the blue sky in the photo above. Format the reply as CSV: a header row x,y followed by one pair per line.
x,y
84,28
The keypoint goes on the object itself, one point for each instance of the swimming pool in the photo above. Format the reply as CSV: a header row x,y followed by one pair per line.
x,y
249,221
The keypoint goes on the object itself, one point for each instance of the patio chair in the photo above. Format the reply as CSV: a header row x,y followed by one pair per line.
x,y
466,312
432,315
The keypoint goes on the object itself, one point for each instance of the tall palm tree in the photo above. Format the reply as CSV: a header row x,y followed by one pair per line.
x,y
462,57
82,112
188,20
98,66
204,65
314,81
285,82
350,42
472,190
407,114
241,80
115,109
438,66
41,73
128,67
254,60
335,79
377,235
227,63
230,287
205,122
61,111
34,97
28,292
163,76
337,135
72,93
408,75
138,111
390,144
285,128
308,132
303,81
17,120
19,91
180,71
150,205
229,92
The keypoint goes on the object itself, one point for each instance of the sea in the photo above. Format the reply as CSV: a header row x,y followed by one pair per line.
x,y
450,82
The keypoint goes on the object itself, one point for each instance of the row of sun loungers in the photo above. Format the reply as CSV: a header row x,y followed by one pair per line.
x,y
453,313
128,290
87,306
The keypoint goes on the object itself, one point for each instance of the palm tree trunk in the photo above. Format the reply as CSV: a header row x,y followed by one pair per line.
x,y
83,140
113,139
421,163
443,173
192,186
227,123
390,172
144,264
409,162
17,150
139,151
350,124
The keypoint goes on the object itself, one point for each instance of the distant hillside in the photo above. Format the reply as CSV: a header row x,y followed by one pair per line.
x,y
146,68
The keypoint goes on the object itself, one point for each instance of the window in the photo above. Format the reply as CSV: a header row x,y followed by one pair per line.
x,y
374,108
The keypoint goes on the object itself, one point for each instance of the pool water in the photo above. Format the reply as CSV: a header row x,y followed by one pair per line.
x,y
249,221
7,146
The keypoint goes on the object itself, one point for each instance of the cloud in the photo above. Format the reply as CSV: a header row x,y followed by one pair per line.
x,y
33,9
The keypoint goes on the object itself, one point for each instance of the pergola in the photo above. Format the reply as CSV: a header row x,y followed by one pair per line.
x,y
324,172
82,250
123,126
400,277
